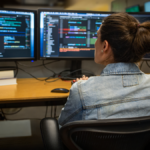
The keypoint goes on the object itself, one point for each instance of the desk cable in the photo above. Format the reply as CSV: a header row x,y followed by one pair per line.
x,y
147,64
16,69
46,109
54,74
10,113
141,65
66,76
37,66
50,77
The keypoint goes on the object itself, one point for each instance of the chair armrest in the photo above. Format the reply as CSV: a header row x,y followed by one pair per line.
x,y
50,134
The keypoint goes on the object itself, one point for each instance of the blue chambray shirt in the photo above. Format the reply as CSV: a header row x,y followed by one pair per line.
x,y
121,91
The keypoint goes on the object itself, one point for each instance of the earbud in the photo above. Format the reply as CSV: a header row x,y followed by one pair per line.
x,y
102,51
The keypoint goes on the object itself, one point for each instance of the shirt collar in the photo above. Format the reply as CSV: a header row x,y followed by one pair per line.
x,y
121,68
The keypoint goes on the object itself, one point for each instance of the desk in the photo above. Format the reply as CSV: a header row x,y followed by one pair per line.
x,y
31,92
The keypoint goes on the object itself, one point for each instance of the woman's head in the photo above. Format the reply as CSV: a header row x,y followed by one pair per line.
x,y
126,38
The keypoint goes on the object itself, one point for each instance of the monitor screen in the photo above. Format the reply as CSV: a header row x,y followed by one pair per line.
x,y
135,8
17,34
142,17
147,6
72,35
68,35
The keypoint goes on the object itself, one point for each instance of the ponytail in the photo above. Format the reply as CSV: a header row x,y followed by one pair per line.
x,y
129,39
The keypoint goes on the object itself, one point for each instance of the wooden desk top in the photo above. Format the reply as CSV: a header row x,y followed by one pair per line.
x,y
31,89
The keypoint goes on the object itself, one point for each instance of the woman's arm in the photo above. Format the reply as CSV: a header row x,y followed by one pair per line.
x,y
72,110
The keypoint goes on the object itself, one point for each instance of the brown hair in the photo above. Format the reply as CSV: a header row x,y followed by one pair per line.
x,y
128,39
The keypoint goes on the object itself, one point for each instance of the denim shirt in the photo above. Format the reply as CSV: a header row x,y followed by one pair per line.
x,y
121,91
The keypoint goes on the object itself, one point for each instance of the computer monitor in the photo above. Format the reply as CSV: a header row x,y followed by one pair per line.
x,y
135,8
17,34
68,34
142,17
147,7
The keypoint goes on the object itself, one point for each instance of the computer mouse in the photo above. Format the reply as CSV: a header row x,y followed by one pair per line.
x,y
60,90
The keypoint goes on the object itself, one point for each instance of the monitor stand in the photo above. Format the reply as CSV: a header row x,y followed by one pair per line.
x,y
76,69
74,72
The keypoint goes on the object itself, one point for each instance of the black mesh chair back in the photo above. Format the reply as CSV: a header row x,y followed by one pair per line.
x,y
115,134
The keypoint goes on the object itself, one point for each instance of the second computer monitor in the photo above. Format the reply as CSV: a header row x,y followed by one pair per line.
x,y
68,34
17,34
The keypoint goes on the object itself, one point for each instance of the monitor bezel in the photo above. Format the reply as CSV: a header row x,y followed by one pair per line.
x,y
35,36
63,58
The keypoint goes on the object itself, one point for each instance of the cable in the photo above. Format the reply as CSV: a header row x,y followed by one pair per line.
x,y
25,119
59,77
49,69
51,111
34,76
55,109
46,111
82,70
73,72
16,69
141,65
11,113
38,66
64,71
3,115
37,78
147,64
50,77
67,78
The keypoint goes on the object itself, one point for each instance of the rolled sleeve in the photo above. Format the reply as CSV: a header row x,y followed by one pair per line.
x,y
72,110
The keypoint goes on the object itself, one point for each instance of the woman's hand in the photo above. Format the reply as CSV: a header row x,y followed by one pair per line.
x,y
83,78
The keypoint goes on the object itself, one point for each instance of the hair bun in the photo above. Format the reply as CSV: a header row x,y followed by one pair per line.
x,y
132,27
128,38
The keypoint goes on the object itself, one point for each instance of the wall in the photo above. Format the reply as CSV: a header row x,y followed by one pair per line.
x,y
121,5
96,5
136,2
118,5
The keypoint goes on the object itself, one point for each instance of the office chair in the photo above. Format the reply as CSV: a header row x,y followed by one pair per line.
x,y
112,134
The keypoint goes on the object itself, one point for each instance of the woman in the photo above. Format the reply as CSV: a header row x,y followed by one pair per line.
x,y
122,90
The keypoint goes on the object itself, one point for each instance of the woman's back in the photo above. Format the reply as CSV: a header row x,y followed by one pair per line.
x,y
121,91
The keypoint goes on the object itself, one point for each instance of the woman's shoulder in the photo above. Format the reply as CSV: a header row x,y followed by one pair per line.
x,y
96,81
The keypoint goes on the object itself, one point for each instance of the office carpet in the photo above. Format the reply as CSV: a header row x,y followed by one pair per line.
x,y
32,142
